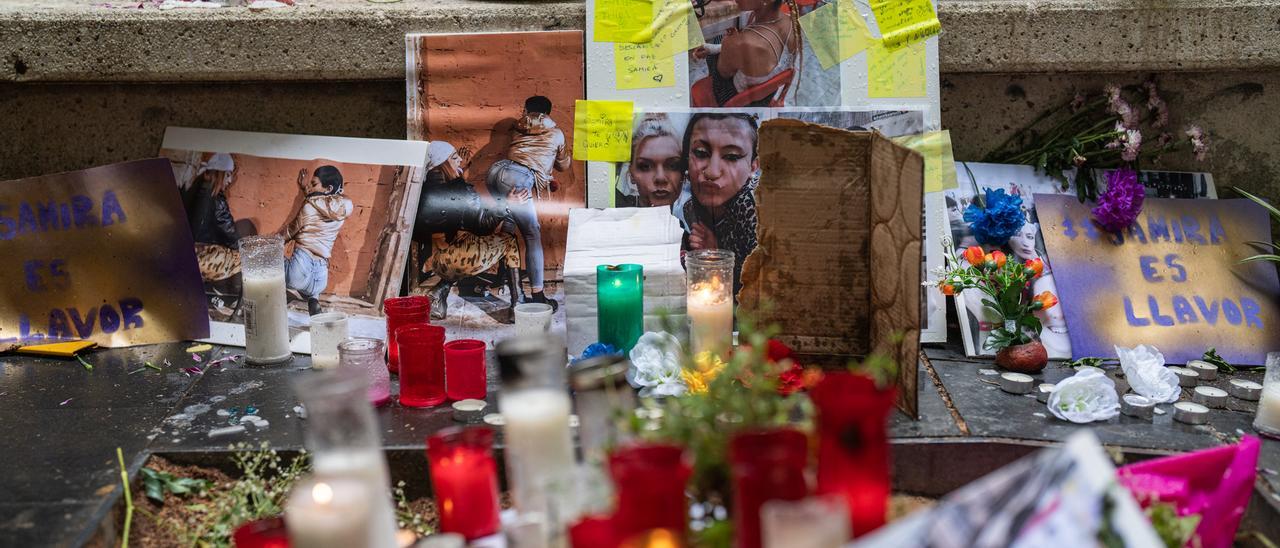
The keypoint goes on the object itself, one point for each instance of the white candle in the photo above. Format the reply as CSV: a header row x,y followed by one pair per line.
x,y
1207,371
1190,412
1016,383
327,330
532,318
266,321
1244,389
1187,378
1267,421
539,443
1209,396
710,309
328,512
368,467
815,522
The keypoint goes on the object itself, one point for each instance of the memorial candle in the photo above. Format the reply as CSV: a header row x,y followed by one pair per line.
x,y
535,405
620,304
1267,421
710,299
266,321
464,479
324,512
327,331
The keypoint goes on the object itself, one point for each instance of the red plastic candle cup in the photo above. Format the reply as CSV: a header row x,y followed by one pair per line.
x,y
852,407
263,533
421,365
465,481
649,480
764,465
464,363
402,311
592,531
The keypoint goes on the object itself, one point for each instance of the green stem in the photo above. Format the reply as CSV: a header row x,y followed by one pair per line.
x,y
128,500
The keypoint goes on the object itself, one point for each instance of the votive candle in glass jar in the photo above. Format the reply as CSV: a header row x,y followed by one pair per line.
x,y
262,301
649,479
466,374
464,479
421,365
764,465
600,395
535,404
366,355
620,304
1267,421
327,331
709,299
851,406
402,311
328,512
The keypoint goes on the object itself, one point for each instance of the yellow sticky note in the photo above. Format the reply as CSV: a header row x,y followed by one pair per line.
x,y
835,32
905,21
939,163
59,350
602,130
637,66
896,72
623,20
611,175
675,28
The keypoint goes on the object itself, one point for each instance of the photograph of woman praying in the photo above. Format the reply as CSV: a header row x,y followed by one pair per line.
x,y
655,176
723,170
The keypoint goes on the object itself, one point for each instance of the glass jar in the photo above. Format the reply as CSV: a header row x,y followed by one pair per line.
x,y
600,394
709,299
764,465
327,331
465,369
1267,420
366,356
464,480
421,365
262,300
402,311
620,304
650,480
853,446
535,404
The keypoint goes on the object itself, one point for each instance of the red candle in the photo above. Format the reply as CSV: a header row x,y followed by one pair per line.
x,y
263,533
765,465
853,445
649,480
464,478
592,531
402,311
464,363
421,365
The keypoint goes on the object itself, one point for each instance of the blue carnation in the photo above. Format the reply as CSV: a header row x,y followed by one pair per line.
x,y
999,221
597,349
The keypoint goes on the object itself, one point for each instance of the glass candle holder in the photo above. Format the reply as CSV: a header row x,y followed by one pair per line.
x,y
851,407
814,522
402,311
649,479
620,304
263,533
600,393
709,299
532,318
764,465
342,434
421,365
466,374
327,331
535,404
1267,421
366,355
262,300
326,512
464,479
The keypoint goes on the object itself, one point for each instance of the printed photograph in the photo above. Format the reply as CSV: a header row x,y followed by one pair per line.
x,y
491,224
756,57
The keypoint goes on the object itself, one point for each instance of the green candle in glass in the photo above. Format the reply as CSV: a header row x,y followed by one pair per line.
x,y
620,304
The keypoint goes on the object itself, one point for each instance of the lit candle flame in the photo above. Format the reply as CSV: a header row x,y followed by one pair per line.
x,y
322,493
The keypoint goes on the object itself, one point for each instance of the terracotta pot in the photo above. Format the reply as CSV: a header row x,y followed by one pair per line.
x,y
1023,358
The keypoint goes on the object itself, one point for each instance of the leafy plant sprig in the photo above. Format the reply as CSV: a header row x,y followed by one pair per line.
x,y
157,484
1211,356
1092,361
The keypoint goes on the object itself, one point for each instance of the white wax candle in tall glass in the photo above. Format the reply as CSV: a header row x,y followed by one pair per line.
x,y
709,273
327,330
328,512
1267,421
266,322
535,404
532,318
342,433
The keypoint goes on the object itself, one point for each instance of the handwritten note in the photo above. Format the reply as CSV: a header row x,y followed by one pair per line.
x,y
623,21
103,254
675,28
602,130
939,163
835,32
896,72
636,66
904,22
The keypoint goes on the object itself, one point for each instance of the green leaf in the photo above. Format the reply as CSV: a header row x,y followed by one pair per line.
x,y
154,490
1256,258
1274,212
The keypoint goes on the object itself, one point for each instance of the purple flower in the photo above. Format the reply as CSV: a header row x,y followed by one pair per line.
x,y
1157,106
1120,107
1119,206
1132,144
1077,102
1199,142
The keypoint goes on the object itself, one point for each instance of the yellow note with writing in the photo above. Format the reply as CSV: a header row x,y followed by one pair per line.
x,y
835,32
602,130
675,28
896,72
623,21
939,162
905,21
637,66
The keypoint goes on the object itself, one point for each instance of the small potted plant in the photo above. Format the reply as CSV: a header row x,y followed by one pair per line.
x,y
1004,285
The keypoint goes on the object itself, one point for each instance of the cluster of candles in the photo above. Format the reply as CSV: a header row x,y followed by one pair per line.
x,y
709,302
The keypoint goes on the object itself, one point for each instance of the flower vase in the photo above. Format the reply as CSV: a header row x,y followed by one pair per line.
x,y
853,445
1027,358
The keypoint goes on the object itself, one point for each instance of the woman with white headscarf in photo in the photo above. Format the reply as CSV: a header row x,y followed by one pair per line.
x,y
655,175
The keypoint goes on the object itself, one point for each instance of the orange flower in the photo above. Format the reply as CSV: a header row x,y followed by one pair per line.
x,y
1036,266
1045,300
974,255
948,289
997,257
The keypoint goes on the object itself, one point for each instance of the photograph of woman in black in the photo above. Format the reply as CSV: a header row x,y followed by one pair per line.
x,y
723,170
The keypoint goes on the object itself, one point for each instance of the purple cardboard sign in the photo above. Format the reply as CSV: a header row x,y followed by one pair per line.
x,y
1173,279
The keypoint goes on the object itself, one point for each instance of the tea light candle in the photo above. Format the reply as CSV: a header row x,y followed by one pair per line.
x,y
1187,378
1190,413
1136,406
620,304
1244,389
1016,383
1207,371
469,411
1044,390
1209,396
325,512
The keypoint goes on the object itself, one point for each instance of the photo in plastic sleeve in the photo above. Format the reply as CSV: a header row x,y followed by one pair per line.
x,y
491,228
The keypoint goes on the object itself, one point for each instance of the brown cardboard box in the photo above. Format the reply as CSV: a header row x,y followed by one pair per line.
x,y
838,262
